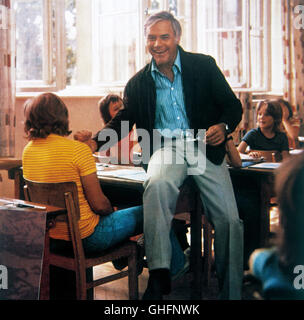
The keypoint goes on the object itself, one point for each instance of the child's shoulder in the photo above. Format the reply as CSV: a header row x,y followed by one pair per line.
x,y
252,132
281,134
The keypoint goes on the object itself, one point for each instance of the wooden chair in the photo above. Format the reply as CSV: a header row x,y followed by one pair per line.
x,y
65,195
190,209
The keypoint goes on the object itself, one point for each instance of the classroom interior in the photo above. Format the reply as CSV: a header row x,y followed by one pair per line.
x,y
83,50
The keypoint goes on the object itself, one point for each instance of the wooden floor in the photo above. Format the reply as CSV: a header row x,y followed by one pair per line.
x,y
118,290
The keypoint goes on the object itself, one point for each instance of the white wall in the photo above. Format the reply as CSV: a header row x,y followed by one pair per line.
x,y
83,114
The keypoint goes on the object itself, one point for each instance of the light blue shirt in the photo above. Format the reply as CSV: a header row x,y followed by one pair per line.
x,y
170,105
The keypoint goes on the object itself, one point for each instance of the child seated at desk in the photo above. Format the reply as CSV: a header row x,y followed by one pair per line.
x,y
280,269
122,152
268,136
50,156
263,142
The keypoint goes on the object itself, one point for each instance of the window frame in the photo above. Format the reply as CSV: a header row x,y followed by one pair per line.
x,y
247,41
55,41
119,84
193,34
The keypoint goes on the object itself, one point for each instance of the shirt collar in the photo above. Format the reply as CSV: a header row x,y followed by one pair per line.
x,y
177,64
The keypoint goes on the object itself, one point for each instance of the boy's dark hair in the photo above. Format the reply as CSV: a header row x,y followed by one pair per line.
x,y
274,109
104,105
45,114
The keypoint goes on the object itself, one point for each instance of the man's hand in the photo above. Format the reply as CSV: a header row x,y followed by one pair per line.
x,y
216,134
83,135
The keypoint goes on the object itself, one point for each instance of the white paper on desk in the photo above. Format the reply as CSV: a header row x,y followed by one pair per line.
x,y
247,157
266,165
137,175
296,151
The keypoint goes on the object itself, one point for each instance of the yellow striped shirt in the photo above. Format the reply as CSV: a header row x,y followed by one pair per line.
x,y
59,159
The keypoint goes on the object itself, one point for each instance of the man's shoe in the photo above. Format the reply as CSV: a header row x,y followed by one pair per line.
x,y
153,291
159,283
185,268
121,263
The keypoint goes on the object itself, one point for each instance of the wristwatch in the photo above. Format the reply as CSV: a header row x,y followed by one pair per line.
x,y
227,128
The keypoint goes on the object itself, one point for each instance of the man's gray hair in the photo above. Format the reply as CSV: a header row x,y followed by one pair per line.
x,y
160,16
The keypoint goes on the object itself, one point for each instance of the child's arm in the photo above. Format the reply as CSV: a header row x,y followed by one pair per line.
x,y
242,147
233,156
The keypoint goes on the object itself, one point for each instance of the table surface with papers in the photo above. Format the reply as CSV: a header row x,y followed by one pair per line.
x,y
128,176
123,185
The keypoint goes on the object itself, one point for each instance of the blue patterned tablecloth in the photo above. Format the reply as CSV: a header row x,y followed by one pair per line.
x,y
22,234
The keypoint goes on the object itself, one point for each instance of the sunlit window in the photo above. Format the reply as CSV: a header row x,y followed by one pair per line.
x,y
40,47
100,43
116,35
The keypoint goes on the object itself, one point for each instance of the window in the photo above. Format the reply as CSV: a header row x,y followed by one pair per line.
x,y
116,41
40,45
100,43
239,34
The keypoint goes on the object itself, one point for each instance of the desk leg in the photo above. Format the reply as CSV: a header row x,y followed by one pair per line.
x,y
196,249
45,274
264,212
19,183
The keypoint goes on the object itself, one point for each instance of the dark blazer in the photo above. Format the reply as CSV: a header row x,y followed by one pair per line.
x,y
209,100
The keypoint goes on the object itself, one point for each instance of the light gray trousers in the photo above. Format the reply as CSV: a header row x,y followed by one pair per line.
x,y
167,169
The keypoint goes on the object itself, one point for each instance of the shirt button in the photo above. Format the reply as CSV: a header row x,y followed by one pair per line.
x,y
178,118
172,88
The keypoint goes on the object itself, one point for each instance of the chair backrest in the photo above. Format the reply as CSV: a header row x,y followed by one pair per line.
x,y
64,195
51,193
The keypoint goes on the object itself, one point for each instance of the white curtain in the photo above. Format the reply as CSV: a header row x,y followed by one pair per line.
x,y
7,79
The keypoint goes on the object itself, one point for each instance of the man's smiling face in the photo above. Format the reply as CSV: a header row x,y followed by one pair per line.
x,y
162,43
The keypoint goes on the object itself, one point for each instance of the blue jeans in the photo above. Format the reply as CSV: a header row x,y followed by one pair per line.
x,y
114,228
117,227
